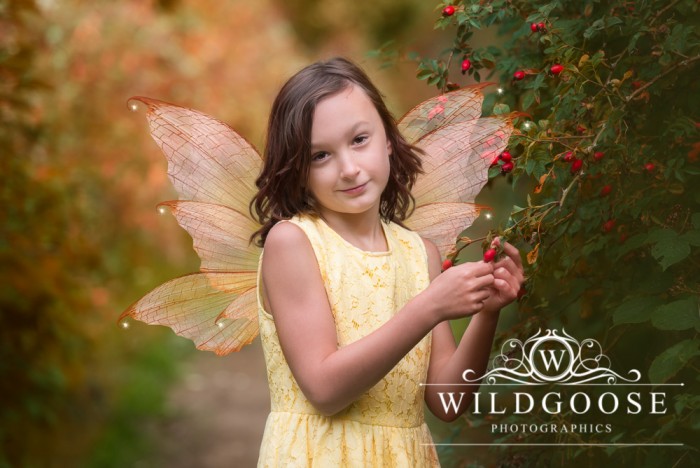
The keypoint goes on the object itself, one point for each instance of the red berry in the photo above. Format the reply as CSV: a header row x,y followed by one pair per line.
x,y
449,10
576,165
556,69
519,75
609,225
446,264
507,167
541,27
466,65
598,155
489,255
534,27
506,157
636,84
623,237
649,167
605,191
568,156
581,129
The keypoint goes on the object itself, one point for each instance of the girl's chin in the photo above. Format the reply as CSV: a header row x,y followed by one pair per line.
x,y
352,208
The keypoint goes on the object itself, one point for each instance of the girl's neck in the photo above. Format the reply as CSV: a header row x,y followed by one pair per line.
x,y
363,230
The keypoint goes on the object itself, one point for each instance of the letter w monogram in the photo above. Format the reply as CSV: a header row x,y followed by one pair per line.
x,y
552,358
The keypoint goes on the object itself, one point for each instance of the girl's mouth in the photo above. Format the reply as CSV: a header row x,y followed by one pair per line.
x,y
355,190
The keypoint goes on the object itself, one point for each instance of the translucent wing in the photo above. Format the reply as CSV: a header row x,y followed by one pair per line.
x,y
215,310
213,170
220,235
207,160
459,147
458,106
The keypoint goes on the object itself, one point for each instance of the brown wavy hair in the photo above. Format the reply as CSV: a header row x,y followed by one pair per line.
x,y
282,183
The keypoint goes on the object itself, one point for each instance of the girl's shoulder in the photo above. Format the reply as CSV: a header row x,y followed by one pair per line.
x,y
286,234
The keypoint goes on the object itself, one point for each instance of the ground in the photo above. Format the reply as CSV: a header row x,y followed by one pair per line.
x,y
217,412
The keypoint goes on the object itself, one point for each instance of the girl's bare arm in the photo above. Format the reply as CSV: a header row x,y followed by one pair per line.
x,y
332,378
447,360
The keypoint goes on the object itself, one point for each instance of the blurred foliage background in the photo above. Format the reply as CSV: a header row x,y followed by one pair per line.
x,y
80,238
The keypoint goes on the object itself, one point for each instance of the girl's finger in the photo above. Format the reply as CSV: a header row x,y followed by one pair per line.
x,y
508,264
513,280
482,295
514,265
483,281
512,253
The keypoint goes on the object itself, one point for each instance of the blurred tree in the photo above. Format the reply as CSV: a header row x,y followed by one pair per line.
x,y
40,336
318,22
79,235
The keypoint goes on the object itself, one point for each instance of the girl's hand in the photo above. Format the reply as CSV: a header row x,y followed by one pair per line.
x,y
508,278
461,290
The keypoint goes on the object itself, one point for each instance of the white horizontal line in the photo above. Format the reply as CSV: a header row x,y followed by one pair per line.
x,y
565,445
514,384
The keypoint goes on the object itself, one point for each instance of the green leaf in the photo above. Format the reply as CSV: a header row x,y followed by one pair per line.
x,y
633,243
692,238
695,219
612,21
434,79
678,315
500,109
659,235
424,74
668,363
593,29
668,252
546,9
636,310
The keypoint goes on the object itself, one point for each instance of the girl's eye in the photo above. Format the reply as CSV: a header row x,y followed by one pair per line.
x,y
319,156
360,139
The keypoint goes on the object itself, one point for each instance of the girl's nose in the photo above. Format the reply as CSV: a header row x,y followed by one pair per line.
x,y
348,166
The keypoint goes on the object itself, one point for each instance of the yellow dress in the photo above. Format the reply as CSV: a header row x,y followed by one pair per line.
x,y
385,426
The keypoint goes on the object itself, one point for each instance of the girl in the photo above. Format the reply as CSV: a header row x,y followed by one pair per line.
x,y
353,309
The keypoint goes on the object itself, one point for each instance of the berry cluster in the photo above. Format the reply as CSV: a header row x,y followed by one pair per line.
x,y
555,70
507,159
576,163
538,27
489,256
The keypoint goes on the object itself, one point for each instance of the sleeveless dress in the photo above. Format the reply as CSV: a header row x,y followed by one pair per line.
x,y
384,427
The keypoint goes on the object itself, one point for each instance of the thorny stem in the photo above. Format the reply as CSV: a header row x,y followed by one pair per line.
x,y
447,70
563,137
662,11
555,202
466,244
673,68
566,191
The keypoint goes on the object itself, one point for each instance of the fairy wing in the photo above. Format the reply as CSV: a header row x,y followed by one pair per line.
x,y
459,147
213,170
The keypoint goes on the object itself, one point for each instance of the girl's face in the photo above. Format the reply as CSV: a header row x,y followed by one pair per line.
x,y
349,154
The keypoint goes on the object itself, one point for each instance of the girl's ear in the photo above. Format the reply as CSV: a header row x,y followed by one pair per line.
x,y
388,147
